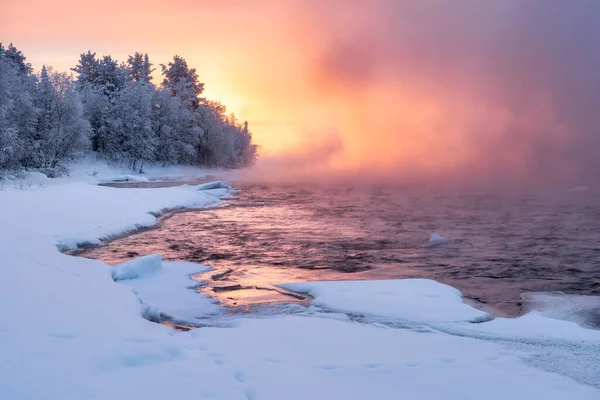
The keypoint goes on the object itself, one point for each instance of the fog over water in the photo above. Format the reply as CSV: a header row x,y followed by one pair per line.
x,y
469,91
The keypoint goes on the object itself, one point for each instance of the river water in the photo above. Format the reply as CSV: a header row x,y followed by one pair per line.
x,y
501,245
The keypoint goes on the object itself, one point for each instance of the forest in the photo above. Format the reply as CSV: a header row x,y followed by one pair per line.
x,y
50,119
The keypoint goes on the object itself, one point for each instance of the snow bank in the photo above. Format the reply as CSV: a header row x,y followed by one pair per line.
x,y
168,291
137,267
75,213
437,240
93,169
412,300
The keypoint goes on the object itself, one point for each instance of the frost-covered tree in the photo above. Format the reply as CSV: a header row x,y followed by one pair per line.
x,y
61,133
18,59
226,142
86,69
99,83
111,77
139,68
134,114
17,111
246,152
10,145
48,120
177,132
182,82
104,74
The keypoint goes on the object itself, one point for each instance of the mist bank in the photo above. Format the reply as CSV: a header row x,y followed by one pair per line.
x,y
463,91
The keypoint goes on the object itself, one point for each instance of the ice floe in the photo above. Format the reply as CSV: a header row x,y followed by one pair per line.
x,y
437,240
137,267
166,289
214,185
412,300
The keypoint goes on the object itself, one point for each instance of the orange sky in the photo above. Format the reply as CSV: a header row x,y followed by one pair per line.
x,y
235,46
411,88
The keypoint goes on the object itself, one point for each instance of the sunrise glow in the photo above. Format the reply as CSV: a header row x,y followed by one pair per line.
x,y
369,93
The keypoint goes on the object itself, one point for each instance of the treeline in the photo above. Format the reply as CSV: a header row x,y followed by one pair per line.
x,y
50,119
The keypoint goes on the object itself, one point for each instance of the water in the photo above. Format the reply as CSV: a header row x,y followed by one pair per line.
x,y
502,245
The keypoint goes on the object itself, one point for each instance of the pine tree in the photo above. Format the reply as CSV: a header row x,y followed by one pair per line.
x,y
139,68
17,111
175,129
17,57
68,135
86,69
182,82
10,144
135,112
99,83
111,77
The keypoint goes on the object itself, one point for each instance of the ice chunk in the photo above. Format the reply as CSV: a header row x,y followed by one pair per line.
x,y
214,185
168,292
437,240
220,193
130,178
414,300
137,267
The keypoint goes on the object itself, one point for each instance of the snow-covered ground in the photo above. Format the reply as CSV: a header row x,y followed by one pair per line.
x,y
70,331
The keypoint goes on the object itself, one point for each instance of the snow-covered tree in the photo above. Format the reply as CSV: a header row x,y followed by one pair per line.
x,y
99,83
246,152
47,120
18,59
111,77
17,111
62,133
134,111
182,82
226,143
10,145
86,69
178,135
139,68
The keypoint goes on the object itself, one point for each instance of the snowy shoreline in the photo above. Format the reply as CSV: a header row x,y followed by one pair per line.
x,y
162,215
70,332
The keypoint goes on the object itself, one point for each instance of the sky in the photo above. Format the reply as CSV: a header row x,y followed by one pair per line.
x,y
470,90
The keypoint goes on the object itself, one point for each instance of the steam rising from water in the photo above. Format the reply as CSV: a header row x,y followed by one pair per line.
x,y
427,90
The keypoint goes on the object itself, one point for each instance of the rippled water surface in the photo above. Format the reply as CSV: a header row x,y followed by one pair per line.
x,y
501,244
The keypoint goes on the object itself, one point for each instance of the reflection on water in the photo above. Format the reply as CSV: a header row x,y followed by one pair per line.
x,y
501,245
